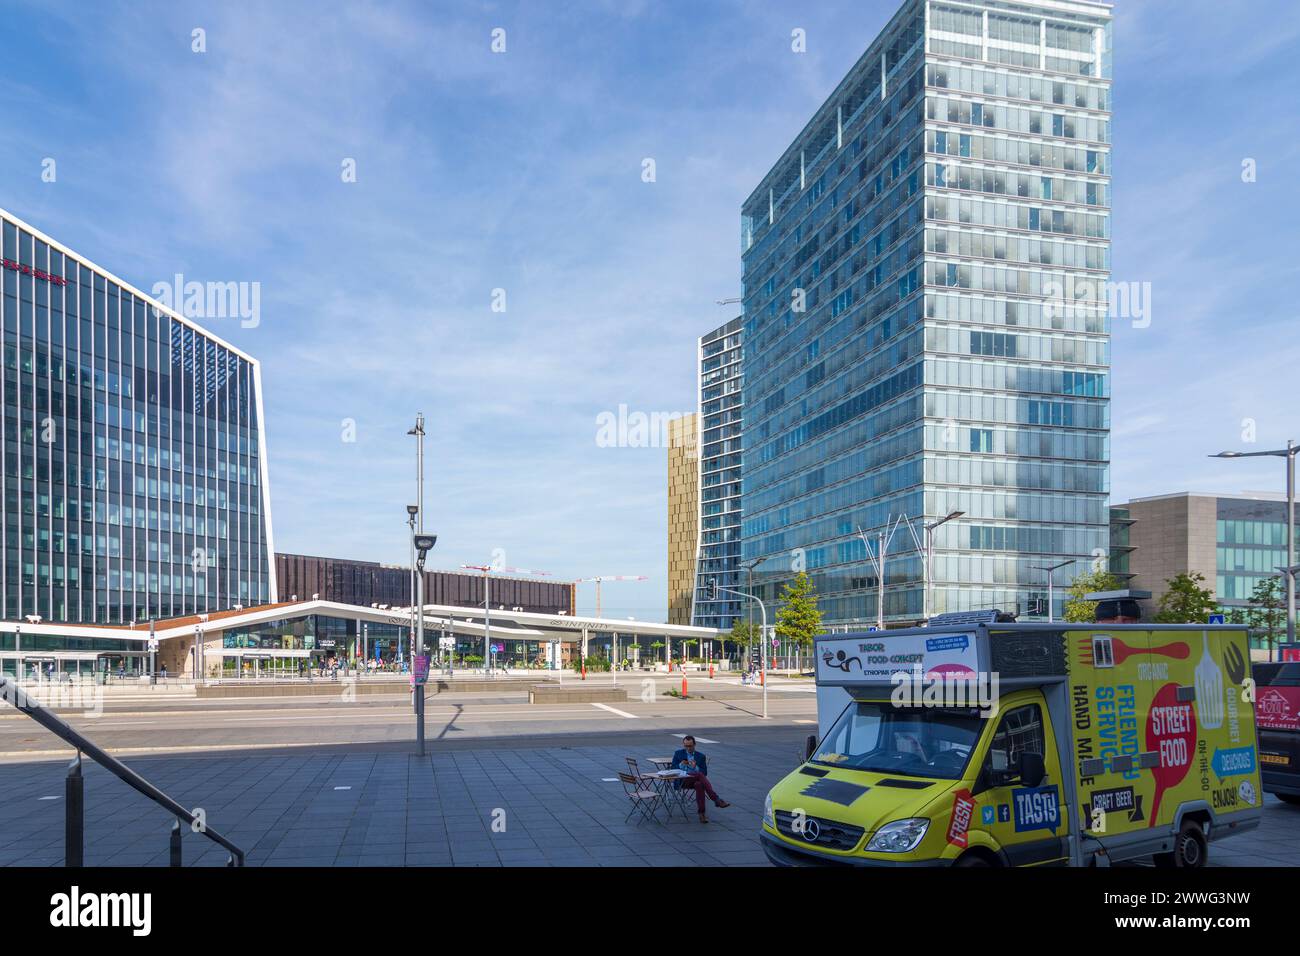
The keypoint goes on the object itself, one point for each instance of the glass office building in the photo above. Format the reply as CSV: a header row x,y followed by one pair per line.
x,y
926,282
133,459
721,356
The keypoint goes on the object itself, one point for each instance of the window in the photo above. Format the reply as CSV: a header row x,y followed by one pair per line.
x,y
981,440
1020,732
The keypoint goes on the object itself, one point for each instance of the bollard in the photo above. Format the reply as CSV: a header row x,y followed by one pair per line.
x,y
762,678
74,820
176,843
710,672
584,670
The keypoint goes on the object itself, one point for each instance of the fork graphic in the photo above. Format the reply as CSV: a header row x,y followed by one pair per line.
x,y
1177,650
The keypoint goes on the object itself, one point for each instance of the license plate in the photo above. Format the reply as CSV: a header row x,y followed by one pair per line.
x,y
1281,760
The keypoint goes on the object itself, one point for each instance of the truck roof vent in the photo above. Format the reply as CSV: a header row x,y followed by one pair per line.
x,y
990,616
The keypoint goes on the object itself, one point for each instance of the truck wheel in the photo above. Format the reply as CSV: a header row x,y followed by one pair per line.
x,y
1291,798
1190,849
971,859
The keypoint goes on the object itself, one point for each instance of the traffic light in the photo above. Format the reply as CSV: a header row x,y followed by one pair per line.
x,y
712,590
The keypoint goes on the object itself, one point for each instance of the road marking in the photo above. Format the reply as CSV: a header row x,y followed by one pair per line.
x,y
698,740
805,721
47,798
615,710
342,788
602,780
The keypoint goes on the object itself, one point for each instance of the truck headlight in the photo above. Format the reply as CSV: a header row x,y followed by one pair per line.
x,y
901,836
769,817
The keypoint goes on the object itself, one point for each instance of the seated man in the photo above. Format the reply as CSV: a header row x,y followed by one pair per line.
x,y
696,766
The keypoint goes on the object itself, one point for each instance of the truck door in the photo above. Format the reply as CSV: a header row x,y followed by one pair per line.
x,y
1030,824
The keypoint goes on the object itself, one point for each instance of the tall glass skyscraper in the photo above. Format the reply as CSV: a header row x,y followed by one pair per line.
x,y
721,408
926,274
135,481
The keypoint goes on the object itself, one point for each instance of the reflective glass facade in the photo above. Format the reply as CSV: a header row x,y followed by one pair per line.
x,y
1250,546
926,274
134,479
721,410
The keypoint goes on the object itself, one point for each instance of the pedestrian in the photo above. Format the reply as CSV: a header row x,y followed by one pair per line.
x,y
696,766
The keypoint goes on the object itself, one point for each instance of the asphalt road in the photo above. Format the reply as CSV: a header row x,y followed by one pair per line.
x,y
187,725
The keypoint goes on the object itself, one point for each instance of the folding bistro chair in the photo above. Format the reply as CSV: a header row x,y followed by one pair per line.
x,y
647,801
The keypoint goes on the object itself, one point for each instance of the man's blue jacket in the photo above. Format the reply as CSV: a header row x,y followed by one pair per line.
x,y
680,758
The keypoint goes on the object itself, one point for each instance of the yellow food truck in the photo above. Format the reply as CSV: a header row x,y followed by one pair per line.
x,y
1003,744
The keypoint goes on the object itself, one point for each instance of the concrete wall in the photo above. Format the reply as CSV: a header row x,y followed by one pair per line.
x,y
1172,536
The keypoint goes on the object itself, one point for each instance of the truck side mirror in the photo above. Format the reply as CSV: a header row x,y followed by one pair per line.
x,y
1032,769
809,747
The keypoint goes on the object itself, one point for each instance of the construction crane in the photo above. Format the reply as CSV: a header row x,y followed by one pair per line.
x,y
487,605
609,577
731,301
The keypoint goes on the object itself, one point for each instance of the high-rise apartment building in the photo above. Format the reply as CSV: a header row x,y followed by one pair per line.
x,y
926,275
135,472
721,354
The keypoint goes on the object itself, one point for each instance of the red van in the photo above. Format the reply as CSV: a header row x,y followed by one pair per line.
x,y
1277,720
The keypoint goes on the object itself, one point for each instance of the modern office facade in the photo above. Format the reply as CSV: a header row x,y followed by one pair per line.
x,y
683,514
1234,541
926,327
721,364
133,454
303,577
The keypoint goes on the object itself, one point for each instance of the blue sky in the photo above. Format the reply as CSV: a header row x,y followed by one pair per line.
x,y
522,171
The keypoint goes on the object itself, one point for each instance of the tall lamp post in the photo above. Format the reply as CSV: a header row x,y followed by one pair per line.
x,y
423,544
926,547
1051,570
1289,453
712,595
749,567
412,515
878,558
416,517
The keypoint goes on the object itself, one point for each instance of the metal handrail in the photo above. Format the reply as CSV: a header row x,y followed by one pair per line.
x,y
11,691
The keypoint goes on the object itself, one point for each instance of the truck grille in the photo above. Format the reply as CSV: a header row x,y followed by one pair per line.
x,y
829,834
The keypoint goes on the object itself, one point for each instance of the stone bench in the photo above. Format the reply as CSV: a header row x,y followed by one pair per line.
x,y
558,694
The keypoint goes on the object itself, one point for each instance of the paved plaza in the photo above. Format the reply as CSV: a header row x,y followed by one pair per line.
x,y
550,797
354,807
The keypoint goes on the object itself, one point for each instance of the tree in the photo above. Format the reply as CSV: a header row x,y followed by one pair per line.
x,y
743,634
1185,601
1266,615
1078,610
798,619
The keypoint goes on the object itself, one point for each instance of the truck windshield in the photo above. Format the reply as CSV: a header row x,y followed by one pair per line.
x,y
909,741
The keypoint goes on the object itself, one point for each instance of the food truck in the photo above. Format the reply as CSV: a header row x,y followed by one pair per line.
x,y
985,743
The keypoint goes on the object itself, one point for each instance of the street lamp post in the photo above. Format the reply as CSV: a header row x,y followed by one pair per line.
x,y
713,592
412,516
423,544
1291,571
878,558
926,547
749,567
1289,453
1051,570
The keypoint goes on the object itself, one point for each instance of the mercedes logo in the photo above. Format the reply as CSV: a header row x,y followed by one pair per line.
x,y
811,830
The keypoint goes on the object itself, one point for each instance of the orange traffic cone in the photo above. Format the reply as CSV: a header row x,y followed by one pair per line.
x,y
683,685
